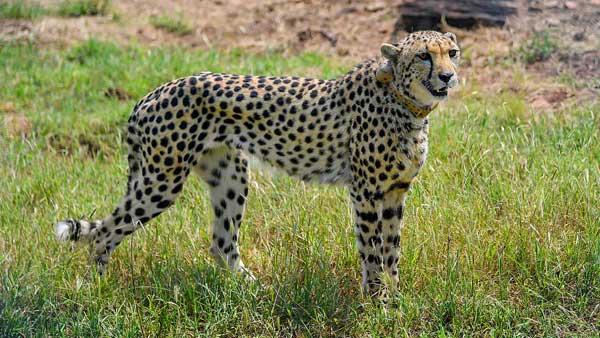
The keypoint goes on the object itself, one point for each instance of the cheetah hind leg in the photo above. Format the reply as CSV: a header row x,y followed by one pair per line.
x,y
225,171
146,197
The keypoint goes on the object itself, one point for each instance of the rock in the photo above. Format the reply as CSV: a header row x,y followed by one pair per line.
x,y
570,5
427,14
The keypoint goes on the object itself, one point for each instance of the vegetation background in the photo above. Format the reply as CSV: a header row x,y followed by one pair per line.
x,y
502,229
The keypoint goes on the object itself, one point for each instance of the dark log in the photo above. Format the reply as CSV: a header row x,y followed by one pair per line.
x,y
427,14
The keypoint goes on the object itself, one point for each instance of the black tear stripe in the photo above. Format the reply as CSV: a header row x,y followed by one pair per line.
x,y
430,69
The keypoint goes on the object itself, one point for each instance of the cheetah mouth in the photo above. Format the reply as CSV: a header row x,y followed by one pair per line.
x,y
442,92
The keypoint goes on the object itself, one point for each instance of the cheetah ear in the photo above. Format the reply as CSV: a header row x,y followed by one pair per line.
x,y
390,52
451,36
385,73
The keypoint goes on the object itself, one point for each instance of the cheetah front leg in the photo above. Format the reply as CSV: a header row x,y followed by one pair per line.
x,y
369,243
391,218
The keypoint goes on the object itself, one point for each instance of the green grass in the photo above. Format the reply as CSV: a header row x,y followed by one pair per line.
x,y
21,10
501,233
539,47
77,8
171,24
72,8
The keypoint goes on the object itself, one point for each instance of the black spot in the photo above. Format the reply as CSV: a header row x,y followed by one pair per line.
x,y
388,213
241,200
163,204
177,188
218,212
368,216
364,228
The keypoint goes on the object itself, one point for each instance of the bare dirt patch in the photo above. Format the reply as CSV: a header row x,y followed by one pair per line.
x,y
16,31
15,124
349,28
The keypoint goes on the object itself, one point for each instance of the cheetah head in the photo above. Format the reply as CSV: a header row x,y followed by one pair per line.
x,y
421,67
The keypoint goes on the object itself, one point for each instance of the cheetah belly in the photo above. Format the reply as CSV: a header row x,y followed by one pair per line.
x,y
310,163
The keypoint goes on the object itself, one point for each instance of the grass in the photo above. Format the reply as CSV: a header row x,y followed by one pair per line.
x,y
501,235
171,24
77,8
70,8
539,47
21,10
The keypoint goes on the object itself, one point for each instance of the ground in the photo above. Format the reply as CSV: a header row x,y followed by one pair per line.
x,y
502,227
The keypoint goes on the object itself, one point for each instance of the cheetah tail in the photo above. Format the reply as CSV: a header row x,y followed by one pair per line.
x,y
73,230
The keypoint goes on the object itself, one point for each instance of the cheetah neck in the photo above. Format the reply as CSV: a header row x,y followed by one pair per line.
x,y
421,112
370,67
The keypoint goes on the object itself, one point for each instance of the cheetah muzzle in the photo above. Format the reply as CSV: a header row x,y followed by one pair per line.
x,y
366,130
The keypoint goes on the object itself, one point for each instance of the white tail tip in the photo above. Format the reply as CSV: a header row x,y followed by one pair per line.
x,y
62,230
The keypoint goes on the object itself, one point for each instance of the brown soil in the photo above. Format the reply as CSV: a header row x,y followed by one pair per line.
x,y
341,28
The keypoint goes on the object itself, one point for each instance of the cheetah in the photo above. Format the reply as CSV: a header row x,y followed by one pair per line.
x,y
366,130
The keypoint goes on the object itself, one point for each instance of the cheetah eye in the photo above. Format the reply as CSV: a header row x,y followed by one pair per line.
x,y
452,53
423,56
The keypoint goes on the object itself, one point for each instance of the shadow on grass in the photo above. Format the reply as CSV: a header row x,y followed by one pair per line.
x,y
201,298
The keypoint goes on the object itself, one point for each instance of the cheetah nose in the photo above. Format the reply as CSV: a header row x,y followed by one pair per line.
x,y
446,76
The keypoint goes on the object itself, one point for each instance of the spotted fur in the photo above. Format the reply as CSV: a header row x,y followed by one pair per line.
x,y
366,130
